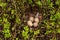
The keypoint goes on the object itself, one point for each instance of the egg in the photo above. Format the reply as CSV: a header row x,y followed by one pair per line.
x,y
36,20
31,19
29,23
35,24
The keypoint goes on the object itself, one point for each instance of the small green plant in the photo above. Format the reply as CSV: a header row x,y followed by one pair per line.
x,y
6,30
47,24
6,33
58,30
36,32
53,18
12,11
7,25
16,38
57,15
57,2
18,20
3,4
39,3
25,32
30,1
48,32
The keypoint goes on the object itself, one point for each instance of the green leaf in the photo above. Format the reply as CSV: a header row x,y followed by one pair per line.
x,y
36,32
57,2
9,9
51,5
52,23
48,1
12,11
57,15
30,1
48,26
13,28
25,34
5,19
52,12
6,31
53,18
26,28
45,21
18,20
3,4
5,15
16,38
7,35
58,30
7,25
31,31
39,3
47,32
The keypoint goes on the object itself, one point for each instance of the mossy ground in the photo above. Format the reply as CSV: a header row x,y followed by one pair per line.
x,y
14,15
